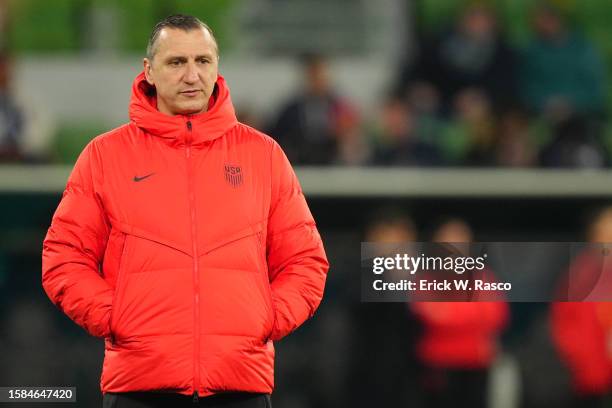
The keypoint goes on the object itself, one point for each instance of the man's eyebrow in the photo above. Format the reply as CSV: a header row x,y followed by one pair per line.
x,y
175,57
184,58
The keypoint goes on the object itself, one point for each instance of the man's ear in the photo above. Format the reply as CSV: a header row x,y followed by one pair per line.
x,y
147,71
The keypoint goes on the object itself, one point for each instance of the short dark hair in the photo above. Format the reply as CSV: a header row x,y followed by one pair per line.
x,y
179,21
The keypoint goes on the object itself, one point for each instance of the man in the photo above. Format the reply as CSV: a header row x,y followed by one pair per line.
x,y
309,126
470,53
459,340
561,71
183,239
580,323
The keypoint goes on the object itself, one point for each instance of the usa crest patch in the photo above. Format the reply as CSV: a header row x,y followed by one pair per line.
x,y
233,175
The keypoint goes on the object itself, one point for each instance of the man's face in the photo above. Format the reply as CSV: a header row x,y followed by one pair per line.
x,y
317,78
548,24
183,70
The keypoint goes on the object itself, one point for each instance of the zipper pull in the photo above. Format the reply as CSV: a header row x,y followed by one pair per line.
x,y
195,397
188,138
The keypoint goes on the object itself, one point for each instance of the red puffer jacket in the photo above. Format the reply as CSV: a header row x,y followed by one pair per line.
x,y
460,335
187,243
582,328
583,342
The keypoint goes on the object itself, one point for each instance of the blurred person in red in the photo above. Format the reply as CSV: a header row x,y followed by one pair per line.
x,y
307,127
581,327
473,53
460,339
11,115
184,240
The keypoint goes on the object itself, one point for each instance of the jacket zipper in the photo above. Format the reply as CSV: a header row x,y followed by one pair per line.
x,y
196,275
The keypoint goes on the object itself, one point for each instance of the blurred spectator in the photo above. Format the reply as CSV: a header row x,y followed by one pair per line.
x,y
391,225
562,72
246,114
582,331
470,136
473,54
515,145
424,101
424,98
3,24
575,144
452,230
383,369
308,126
396,140
11,116
459,342
353,148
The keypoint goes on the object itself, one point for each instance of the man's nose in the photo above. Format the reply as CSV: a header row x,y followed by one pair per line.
x,y
191,74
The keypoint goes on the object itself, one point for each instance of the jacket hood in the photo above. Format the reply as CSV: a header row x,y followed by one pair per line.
x,y
209,125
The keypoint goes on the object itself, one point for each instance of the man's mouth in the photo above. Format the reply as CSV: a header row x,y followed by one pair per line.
x,y
190,92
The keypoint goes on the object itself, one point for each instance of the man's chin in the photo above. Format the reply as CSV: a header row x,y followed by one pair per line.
x,y
191,110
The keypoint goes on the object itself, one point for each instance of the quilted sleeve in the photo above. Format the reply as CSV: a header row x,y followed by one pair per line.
x,y
73,249
297,262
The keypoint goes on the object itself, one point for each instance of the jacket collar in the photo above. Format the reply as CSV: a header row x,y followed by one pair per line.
x,y
206,126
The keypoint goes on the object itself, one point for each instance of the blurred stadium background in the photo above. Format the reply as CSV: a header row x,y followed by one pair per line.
x,y
493,112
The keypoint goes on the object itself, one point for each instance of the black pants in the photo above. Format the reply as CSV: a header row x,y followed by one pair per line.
x,y
162,400
592,401
455,388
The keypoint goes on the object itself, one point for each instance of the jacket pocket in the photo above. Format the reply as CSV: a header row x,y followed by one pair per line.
x,y
119,289
264,278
